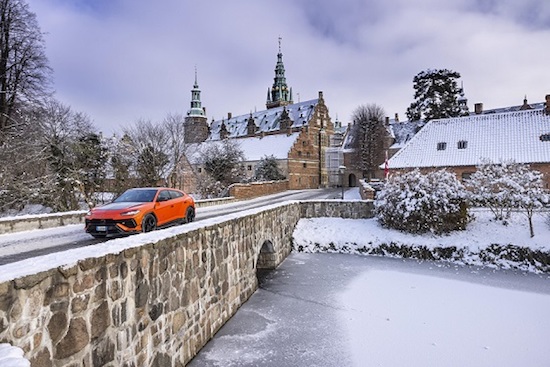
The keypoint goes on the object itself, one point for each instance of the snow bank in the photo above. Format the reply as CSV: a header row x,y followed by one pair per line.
x,y
485,242
12,356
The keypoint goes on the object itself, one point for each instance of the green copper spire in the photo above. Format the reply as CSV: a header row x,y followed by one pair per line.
x,y
196,108
280,94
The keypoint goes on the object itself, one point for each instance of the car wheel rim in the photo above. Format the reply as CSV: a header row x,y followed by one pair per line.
x,y
149,224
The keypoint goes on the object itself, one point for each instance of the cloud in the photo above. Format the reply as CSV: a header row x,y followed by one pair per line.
x,y
121,60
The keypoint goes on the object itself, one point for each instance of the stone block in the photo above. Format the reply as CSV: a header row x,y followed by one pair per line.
x,y
76,339
57,326
100,320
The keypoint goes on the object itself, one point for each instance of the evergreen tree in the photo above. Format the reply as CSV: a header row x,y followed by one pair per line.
x,y
436,95
222,164
91,157
268,170
150,165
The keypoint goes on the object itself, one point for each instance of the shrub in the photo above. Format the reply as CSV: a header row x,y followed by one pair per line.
x,y
418,203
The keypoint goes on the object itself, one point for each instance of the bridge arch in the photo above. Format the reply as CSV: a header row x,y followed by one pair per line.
x,y
267,257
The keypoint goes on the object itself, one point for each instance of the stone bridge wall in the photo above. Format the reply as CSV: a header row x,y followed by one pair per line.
x,y
156,304
42,221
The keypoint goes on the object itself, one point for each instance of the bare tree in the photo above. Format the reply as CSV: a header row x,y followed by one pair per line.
x,y
173,123
369,133
61,131
150,145
25,76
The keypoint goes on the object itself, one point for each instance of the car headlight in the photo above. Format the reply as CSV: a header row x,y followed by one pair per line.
x,y
131,212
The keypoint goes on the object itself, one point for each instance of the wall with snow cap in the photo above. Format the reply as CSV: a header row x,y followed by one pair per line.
x,y
29,222
150,303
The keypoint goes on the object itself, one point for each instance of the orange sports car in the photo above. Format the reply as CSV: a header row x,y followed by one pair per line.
x,y
140,210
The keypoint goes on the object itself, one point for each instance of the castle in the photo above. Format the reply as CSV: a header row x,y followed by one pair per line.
x,y
297,135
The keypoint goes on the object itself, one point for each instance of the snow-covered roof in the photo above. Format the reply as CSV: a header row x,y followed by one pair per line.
x,y
403,131
266,120
522,136
254,148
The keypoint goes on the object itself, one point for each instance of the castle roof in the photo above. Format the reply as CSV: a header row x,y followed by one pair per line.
x,y
254,148
266,121
522,136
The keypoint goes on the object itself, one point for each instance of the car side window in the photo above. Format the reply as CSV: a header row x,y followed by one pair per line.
x,y
164,196
175,194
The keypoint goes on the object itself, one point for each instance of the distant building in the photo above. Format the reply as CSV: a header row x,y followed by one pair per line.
x,y
298,135
519,133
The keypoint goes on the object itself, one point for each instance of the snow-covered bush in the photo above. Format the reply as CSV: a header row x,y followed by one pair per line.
x,y
506,186
417,203
492,186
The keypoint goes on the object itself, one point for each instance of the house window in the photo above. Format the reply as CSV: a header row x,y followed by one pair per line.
x,y
441,146
545,137
200,170
249,168
466,176
463,144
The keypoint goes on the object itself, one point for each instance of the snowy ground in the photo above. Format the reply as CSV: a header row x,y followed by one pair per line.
x,y
484,242
347,310
12,356
399,319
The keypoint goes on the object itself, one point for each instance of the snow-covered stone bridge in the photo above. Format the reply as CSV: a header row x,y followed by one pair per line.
x,y
155,304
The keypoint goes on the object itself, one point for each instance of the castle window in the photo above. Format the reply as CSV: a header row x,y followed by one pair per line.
x,y
463,144
200,170
305,165
249,168
441,146
545,137
299,153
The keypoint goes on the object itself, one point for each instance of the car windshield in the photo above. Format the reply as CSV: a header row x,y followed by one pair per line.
x,y
139,196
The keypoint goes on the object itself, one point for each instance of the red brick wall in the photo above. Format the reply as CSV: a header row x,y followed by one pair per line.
x,y
243,191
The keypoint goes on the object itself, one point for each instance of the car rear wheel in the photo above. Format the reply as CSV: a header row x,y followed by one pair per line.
x,y
190,215
149,223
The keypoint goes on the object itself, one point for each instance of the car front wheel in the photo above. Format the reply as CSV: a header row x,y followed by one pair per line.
x,y
149,223
190,215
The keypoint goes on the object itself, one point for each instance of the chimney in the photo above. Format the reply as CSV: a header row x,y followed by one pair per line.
x,y
396,117
387,120
547,109
229,115
478,108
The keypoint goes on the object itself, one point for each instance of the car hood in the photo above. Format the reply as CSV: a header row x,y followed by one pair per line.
x,y
119,206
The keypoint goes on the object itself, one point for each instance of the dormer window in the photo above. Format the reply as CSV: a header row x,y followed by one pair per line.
x,y
463,144
441,146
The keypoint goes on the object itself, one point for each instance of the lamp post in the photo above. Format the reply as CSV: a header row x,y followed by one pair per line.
x,y
341,170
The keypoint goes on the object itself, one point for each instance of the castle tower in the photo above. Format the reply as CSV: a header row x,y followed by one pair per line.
x,y
462,101
195,125
279,94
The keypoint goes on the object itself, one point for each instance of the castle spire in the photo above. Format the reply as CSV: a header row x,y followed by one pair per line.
x,y
196,108
280,93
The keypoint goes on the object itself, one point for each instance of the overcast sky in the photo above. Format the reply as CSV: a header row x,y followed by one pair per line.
x,y
122,60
